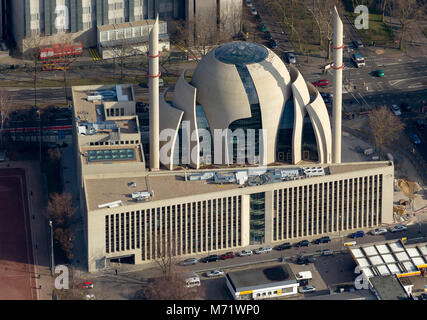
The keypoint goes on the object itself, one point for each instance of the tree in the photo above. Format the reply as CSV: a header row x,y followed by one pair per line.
x,y
385,128
172,288
54,154
65,237
5,109
171,284
59,209
407,12
121,52
34,42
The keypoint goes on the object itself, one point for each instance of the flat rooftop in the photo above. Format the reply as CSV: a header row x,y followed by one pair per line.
x,y
165,187
172,184
87,110
260,278
389,288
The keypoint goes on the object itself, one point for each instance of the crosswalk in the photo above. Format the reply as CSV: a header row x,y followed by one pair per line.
x,y
94,54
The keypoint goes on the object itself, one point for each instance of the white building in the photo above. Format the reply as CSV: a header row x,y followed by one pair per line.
x,y
262,283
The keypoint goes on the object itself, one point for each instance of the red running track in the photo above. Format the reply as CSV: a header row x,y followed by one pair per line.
x,y
17,272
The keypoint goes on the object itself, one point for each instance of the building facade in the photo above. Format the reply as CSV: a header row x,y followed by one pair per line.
x,y
81,18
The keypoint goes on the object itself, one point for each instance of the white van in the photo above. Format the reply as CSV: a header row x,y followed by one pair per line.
x,y
304,275
193,281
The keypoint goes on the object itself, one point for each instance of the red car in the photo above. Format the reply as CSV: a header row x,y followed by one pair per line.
x,y
85,285
227,255
321,83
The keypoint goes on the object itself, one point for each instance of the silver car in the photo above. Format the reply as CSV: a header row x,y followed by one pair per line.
x,y
291,58
396,110
189,262
378,231
399,228
244,253
214,273
263,250
308,289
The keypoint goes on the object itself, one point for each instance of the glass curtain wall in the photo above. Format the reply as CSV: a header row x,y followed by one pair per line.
x,y
257,218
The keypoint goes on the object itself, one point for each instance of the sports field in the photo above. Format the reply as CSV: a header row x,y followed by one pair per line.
x,y
17,276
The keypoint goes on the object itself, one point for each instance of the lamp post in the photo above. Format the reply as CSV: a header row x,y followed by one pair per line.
x,y
51,247
40,136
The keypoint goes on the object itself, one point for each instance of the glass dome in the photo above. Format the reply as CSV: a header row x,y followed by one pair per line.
x,y
241,53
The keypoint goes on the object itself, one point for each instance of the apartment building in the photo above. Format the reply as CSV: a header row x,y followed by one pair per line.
x,y
81,18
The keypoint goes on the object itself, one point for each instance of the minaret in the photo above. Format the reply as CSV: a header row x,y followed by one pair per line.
x,y
153,85
338,65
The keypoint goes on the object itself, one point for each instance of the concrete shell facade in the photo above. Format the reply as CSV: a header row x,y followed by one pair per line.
x,y
219,88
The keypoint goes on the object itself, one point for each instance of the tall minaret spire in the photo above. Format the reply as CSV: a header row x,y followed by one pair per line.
x,y
337,46
153,84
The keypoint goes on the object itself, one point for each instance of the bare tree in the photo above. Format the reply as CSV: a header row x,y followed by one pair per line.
x,y
5,109
65,238
34,42
172,288
60,209
385,128
407,12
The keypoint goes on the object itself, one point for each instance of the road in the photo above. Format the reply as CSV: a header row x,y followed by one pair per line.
x,y
336,244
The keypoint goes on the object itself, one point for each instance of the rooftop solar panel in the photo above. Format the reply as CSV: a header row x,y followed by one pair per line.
x,y
108,155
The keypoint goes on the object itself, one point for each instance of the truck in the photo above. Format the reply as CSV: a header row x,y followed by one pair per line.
x,y
304,275
358,59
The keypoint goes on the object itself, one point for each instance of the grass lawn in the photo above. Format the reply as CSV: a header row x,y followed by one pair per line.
x,y
377,31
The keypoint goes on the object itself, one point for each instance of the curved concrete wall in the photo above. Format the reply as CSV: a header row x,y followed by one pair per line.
x,y
184,98
170,120
271,80
322,128
220,92
301,98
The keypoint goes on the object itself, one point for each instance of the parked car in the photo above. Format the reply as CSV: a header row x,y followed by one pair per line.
x,y
85,285
379,73
308,289
214,273
358,44
302,243
326,252
321,83
322,240
283,246
416,139
253,11
405,107
267,35
211,258
305,260
420,124
249,3
357,234
263,250
327,97
399,228
291,58
378,231
272,44
244,253
227,255
189,262
262,27
396,110
303,283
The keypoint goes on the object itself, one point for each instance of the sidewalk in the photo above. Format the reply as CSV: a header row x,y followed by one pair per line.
x,y
37,199
69,177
